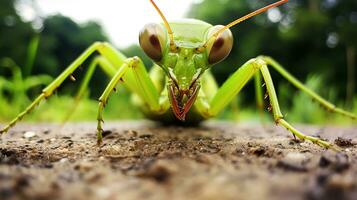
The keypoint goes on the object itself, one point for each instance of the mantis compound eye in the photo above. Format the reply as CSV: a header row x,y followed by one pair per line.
x,y
222,45
152,40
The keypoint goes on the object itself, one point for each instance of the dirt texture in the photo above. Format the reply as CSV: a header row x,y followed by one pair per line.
x,y
141,160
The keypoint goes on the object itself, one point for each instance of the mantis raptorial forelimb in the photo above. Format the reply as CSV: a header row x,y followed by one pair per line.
x,y
183,53
141,85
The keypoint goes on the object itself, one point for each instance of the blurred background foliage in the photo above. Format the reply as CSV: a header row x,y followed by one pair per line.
x,y
314,39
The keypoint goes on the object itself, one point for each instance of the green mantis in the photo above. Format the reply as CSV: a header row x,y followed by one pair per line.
x,y
183,53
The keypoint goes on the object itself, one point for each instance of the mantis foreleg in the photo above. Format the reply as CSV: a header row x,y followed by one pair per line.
x,y
105,96
144,86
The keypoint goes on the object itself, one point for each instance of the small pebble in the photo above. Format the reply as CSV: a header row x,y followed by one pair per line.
x,y
63,160
338,162
294,162
295,157
29,134
103,192
343,142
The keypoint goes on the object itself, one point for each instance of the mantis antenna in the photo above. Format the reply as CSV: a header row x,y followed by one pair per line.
x,y
166,23
237,21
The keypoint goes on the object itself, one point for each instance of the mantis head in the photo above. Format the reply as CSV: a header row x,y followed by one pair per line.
x,y
185,59
184,50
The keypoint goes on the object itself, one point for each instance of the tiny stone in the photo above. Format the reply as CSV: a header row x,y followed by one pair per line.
x,y
29,134
296,158
338,162
294,162
103,192
63,160
343,142
40,141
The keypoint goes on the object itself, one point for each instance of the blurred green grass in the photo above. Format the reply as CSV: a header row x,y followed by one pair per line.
x,y
301,109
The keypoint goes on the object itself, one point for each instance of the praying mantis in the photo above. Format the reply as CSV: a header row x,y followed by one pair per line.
x,y
180,86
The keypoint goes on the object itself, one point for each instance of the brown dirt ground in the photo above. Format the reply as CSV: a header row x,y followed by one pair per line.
x,y
140,160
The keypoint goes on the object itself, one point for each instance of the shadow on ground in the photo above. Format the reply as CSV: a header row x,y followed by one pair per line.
x,y
139,160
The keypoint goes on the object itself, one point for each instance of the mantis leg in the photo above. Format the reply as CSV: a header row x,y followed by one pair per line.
x,y
105,96
144,88
329,106
105,65
103,48
237,81
259,95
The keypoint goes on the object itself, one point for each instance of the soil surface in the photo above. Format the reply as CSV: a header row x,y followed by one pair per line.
x,y
141,160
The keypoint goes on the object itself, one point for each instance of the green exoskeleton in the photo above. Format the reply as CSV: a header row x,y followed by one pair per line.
x,y
183,52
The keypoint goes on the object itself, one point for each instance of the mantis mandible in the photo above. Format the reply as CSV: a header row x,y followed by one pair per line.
x,y
183,52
